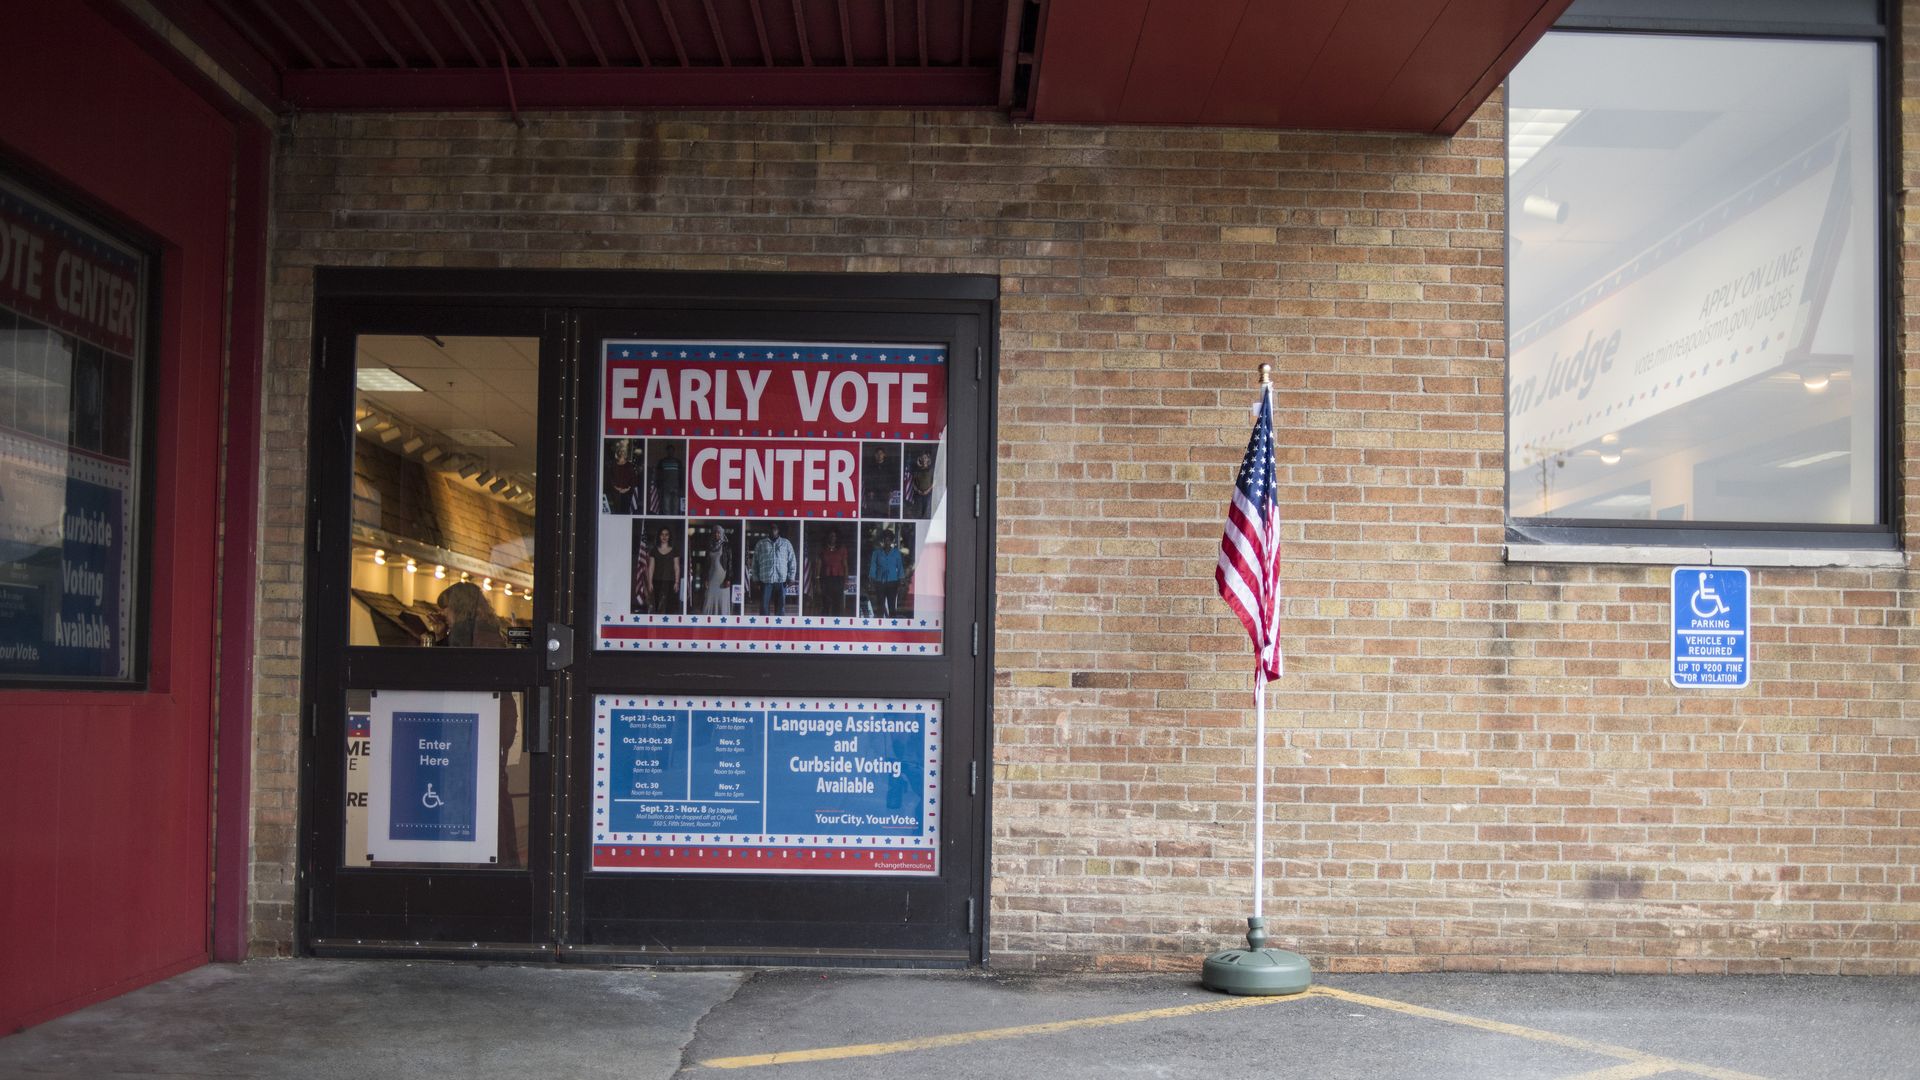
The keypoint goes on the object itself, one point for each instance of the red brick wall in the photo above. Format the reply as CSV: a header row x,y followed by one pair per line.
x,y
1476,764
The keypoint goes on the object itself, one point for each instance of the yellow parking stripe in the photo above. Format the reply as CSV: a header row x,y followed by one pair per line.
x,y
1636,1064
1632,1070
931,1042
1571,1042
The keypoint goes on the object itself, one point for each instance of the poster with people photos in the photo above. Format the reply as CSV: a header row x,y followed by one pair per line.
x,y
772,497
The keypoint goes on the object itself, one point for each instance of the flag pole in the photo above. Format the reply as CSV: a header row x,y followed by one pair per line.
x,y
1256,969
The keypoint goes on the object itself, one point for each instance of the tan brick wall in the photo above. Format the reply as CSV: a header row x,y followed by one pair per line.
x,y
1476,764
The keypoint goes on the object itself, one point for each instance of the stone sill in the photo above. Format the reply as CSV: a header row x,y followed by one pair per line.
x,y
1649,555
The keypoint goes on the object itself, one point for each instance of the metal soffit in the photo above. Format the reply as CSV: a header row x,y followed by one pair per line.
x,y
1382,65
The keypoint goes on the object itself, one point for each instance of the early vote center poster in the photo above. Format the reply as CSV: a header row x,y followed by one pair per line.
x,y
772,497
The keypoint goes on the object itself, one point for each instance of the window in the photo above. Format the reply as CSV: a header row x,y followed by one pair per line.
x,y
74,304
1696,309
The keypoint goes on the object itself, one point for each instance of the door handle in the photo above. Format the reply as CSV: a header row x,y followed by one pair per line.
x,y
559,647
542,733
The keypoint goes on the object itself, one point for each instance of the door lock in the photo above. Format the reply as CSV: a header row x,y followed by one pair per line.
x,y
559,647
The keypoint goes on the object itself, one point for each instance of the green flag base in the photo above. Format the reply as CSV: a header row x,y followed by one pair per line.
x,y
1256,970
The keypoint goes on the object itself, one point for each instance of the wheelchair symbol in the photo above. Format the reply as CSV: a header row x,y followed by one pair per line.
x,y
1706,602
431,800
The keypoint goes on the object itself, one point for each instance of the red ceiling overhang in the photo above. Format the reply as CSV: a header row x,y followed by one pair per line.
x,y
700,88
1385,65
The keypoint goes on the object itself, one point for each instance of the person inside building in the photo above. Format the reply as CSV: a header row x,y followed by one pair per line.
x,y
774,565
466,620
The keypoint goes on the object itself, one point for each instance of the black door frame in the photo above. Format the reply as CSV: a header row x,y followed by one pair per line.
x,y
561,303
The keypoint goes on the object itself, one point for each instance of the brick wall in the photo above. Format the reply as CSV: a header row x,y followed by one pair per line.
x,y
1476,764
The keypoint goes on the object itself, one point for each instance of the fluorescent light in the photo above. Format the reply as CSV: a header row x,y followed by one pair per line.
x,y
1815,382
1812,459
1621,502
1610,457
383,380
1530,130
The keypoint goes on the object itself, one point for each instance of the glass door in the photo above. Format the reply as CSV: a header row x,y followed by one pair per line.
x,y
435,561
778,729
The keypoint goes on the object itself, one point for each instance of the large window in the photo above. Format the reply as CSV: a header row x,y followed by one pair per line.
x,y
74,305
1695,321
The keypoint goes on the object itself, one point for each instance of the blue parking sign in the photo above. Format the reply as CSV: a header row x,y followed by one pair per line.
x,y
1712,624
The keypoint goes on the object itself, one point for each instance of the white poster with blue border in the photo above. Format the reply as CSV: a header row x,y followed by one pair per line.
x,y
1712,627
736,785
433,783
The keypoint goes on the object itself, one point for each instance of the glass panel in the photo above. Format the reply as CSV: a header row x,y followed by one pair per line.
x,y
1695,297
443,491
72,337
773,497
422,767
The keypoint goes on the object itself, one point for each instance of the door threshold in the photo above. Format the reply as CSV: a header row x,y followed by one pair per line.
x,y
734,956
374,949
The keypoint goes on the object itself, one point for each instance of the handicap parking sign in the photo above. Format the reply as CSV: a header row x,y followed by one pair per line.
x,y
1712,624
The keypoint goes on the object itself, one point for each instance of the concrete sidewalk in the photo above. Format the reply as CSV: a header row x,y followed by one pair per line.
x,y
366,1020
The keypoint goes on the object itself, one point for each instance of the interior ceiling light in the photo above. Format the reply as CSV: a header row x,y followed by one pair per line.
x,y
1610,438
383,381
1539,206
1621,502
380,557
1610,457
1530,130
1812,459
1815,381
476,437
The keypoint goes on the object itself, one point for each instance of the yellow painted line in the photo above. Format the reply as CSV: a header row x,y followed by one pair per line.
x,y
1632,1070
1636,1064
1571,1042
933,1042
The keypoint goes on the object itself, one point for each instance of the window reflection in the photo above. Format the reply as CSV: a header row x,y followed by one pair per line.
x,y
1695,303
443,491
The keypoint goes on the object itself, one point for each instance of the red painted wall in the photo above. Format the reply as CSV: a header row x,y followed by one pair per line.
x,y
105,827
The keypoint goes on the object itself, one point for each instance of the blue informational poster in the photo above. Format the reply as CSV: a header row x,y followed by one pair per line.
x,y
1712,624
433,785
766,785
433,789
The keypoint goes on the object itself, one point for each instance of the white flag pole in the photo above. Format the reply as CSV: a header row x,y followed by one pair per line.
x,y
1259,786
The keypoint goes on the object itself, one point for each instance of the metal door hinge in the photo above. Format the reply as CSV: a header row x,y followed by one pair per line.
x,y
979,363
973,778
970,916
317,524
313,714
976,500
976,638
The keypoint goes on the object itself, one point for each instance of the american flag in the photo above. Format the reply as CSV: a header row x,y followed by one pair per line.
x,y
1249,569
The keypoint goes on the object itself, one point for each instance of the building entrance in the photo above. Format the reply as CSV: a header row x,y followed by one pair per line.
x,y
647,617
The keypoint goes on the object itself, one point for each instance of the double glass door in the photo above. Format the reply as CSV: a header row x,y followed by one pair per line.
x,y
647,628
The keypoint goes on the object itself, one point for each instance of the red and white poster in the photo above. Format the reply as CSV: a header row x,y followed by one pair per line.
x,y
772,497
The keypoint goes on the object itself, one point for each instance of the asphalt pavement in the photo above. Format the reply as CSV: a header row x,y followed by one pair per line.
x,y
378,1019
